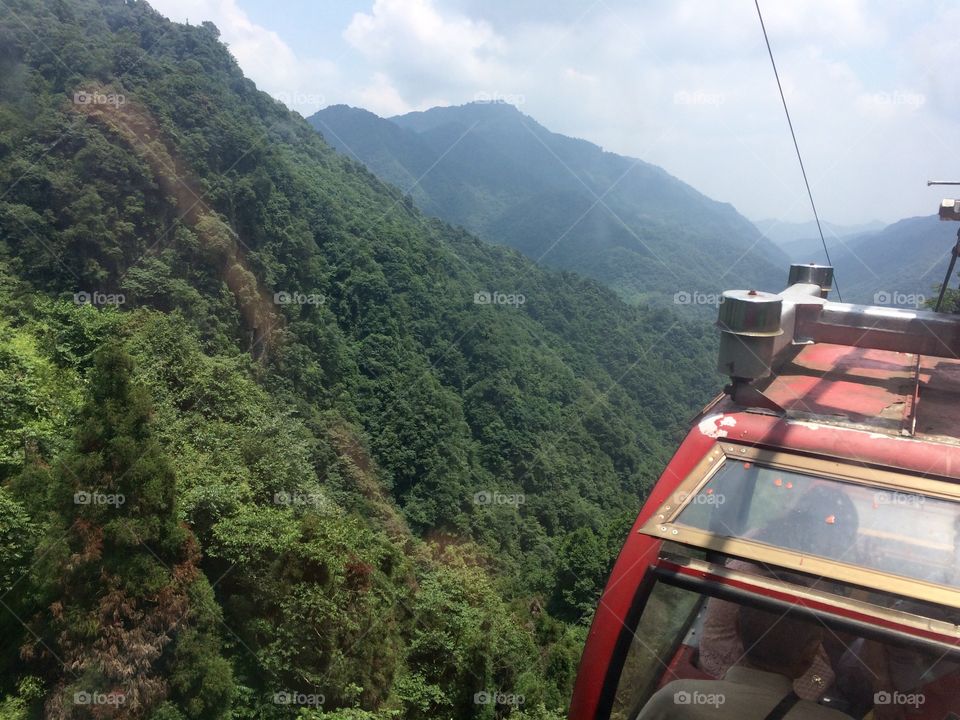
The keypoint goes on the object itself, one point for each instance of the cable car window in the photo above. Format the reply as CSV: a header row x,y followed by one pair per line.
x,y
695,656
666,621
902,533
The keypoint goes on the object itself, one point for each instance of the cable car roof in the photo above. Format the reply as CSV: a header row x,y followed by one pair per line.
x,y
859,402
882,391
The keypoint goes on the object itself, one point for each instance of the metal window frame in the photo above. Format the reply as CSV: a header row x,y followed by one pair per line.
x,y
663,525
708,579
773,594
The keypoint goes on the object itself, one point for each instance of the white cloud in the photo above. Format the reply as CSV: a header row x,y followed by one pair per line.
x,y
301,83
686,84
575,75
424,52
382,98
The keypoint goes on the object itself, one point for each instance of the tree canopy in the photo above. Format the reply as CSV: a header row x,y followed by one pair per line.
x,y
353,484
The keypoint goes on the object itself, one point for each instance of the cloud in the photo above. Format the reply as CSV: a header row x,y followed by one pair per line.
x,y
305,84
382,98
424,52
685,84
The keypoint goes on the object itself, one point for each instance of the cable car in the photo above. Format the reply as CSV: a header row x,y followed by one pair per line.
x,y
815,503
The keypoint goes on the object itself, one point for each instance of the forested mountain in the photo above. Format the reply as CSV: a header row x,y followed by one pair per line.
x,y
902,265
561,201
273,442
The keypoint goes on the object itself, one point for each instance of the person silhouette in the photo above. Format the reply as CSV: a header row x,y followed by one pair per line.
x,y
778,649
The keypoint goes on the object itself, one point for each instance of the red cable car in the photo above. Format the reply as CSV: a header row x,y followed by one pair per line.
x,y
803,544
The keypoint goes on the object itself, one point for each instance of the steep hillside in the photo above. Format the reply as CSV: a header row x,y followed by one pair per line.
x,y
561,201
273,443
902,265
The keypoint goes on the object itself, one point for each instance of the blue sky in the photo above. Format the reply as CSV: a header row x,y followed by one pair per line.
x,y
685,84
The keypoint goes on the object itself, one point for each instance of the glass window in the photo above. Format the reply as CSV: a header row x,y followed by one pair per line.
x,y
666,620
902,533
690,649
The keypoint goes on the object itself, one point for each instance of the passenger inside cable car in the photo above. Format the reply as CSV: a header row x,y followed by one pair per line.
x,y
779,649
784,593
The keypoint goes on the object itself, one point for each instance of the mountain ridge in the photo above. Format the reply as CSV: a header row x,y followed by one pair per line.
x,y
901,265
784,233
564,202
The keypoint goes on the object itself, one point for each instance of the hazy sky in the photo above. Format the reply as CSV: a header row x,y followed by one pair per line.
x,y
685,84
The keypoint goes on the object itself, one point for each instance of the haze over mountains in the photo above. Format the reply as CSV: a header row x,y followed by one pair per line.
x,y
785,233
566,203
561,201
901,264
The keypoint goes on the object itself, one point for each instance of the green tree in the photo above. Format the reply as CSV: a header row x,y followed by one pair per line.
x,y
125,597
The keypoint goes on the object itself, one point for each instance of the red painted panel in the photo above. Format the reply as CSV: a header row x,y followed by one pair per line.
x,y
849,386
899,453
638,553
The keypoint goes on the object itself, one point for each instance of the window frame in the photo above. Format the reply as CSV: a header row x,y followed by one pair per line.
x,y
663,526
708,579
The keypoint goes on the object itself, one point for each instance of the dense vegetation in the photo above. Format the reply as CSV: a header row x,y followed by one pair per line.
x,y
375,500
562,201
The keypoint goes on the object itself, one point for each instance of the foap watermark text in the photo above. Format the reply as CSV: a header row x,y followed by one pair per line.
x,y
896,298
98,299
695,697
485,297
496,697
88,497
492,497
94,97
298,298
695,297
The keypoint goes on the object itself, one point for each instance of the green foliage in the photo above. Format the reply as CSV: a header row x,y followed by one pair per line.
x,y
303,483
35,402
951,299
17,532
465,641
308,592
120,572
23,704
349,714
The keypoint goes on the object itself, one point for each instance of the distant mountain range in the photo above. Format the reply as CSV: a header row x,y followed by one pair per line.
x,y
787,233
901,265
801,241
564,202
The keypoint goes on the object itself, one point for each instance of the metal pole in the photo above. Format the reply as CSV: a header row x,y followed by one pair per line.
x,y
946,280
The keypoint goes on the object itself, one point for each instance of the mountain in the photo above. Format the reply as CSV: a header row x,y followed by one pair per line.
x,y
902,265
801,241
273,442
561,201
785,234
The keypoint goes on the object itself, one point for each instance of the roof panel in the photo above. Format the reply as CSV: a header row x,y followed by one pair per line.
x,y
871,389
